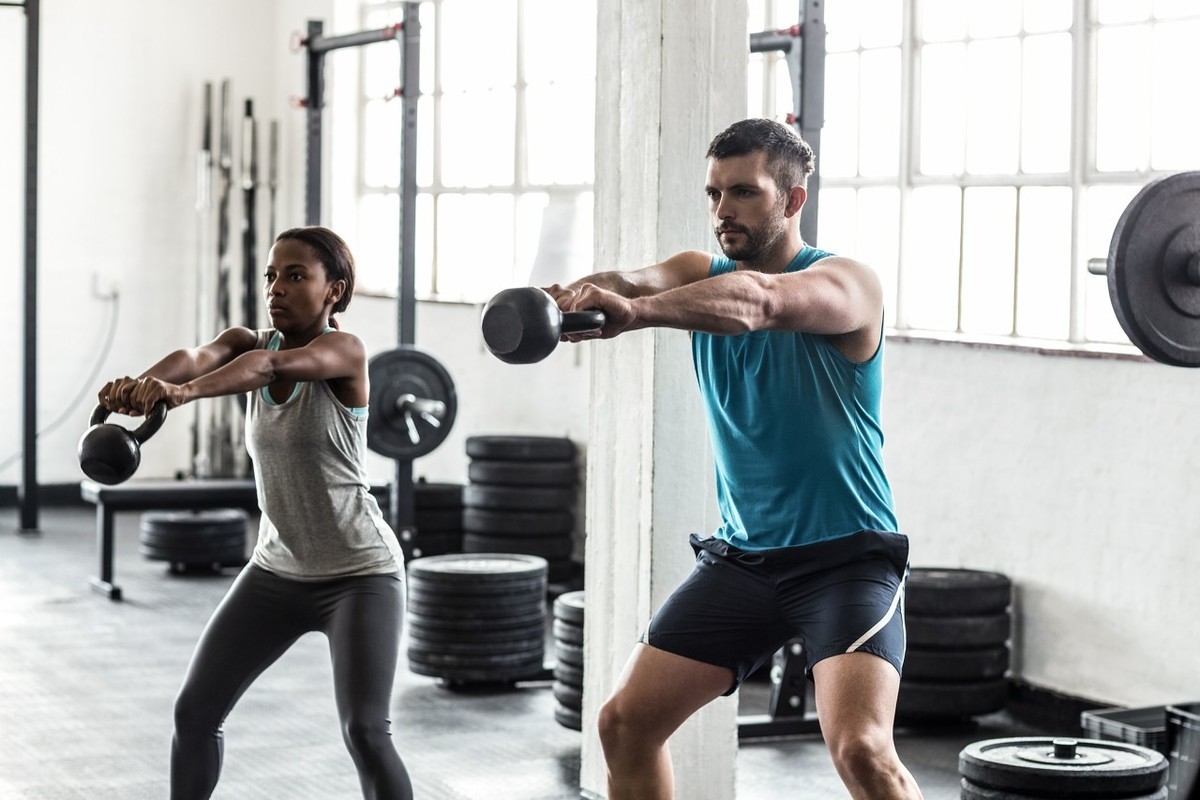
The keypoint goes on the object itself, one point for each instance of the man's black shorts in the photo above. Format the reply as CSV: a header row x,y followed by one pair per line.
x,y
738,606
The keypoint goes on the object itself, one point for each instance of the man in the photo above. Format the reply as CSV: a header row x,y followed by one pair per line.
x,y
787,346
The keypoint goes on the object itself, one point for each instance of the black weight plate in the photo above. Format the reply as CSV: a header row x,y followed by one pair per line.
x,y
525,619
438,520
955,665
442,609
1155,301
485,593
227,556
951,592
570,674
568,717
187,541
508,605
971,791
518,523
568,653
519,498
569,607
951,632
398,433
521,448
566,632
567,696
548,547
1097,769
479,568
436,495
494,670
522,473
921,700
565,575
193,523
500,647
433,634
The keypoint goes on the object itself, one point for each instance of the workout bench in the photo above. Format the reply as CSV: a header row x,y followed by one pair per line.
x,y
145,495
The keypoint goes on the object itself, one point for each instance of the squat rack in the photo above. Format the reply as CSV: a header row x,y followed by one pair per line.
x,y
27,493
408,34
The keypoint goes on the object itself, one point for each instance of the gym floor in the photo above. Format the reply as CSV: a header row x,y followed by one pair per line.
x,y
86,689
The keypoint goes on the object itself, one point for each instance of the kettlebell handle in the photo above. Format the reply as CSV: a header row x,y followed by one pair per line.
x,y
154,421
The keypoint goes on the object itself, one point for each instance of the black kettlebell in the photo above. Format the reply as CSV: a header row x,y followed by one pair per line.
x,y
523,325
110,454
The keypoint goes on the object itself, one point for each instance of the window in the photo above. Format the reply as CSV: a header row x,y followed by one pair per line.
x,y
977,153
505,147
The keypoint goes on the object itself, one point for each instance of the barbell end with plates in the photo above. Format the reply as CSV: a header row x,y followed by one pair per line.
x,y
412,403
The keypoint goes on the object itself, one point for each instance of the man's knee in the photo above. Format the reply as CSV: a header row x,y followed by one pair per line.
x,y
618,724
863,755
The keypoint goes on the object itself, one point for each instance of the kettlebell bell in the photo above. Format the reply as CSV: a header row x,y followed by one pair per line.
x,y
110,454
523,325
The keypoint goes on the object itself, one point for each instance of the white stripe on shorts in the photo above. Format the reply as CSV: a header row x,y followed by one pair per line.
x,y
878,626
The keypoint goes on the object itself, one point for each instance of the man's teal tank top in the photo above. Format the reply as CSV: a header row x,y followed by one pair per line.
x,y
795,432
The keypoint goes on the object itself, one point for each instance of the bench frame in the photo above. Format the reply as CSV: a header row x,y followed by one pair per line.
x,y
147,495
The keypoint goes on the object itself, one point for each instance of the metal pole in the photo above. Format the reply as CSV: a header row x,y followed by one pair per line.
x,y
29,494
313,104
811,116
403,502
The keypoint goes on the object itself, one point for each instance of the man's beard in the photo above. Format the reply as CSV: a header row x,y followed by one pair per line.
x,y
755,243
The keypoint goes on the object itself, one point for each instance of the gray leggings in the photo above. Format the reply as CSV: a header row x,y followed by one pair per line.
x,y
260,618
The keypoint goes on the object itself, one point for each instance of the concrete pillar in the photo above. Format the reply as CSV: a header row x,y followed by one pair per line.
x,y
670,74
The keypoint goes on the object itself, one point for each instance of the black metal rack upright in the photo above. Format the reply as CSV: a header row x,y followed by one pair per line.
x,y
28,493
803,46
408,34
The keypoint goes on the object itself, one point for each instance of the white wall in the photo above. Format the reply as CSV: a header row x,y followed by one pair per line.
x,y
1074,476
1071,475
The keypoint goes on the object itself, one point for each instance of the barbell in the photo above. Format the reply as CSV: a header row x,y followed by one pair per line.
x,y
1153,270
412,406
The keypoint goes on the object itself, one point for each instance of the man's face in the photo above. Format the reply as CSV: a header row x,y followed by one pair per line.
x,y
746,206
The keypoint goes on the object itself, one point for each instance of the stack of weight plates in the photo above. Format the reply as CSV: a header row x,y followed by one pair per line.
x,y
438,514
194,540
958,627
520,498
1037,767
568,659
477,618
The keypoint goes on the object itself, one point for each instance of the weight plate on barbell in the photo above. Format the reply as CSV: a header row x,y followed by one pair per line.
x,y
1152,283
405,420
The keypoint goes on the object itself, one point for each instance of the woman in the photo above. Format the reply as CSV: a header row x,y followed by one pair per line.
x,y
325,559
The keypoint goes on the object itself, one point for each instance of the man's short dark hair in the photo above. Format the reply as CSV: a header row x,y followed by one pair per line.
x,y
790,159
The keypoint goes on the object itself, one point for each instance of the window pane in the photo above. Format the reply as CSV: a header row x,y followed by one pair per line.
x,y
1122,98
477,138
785,90
381,65
554,238
841,25
1105,204
377,244
880,21
929,273
991,18
756,105
1044,263
880,104
942,20
878,242
474,244
560,41
1042,16
989,248
381,144
943,124
478,44
1046,110
1175,143
993,104
1109,11
425,140
426,279
839,138
837,224
1165,9
428,18
560,134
